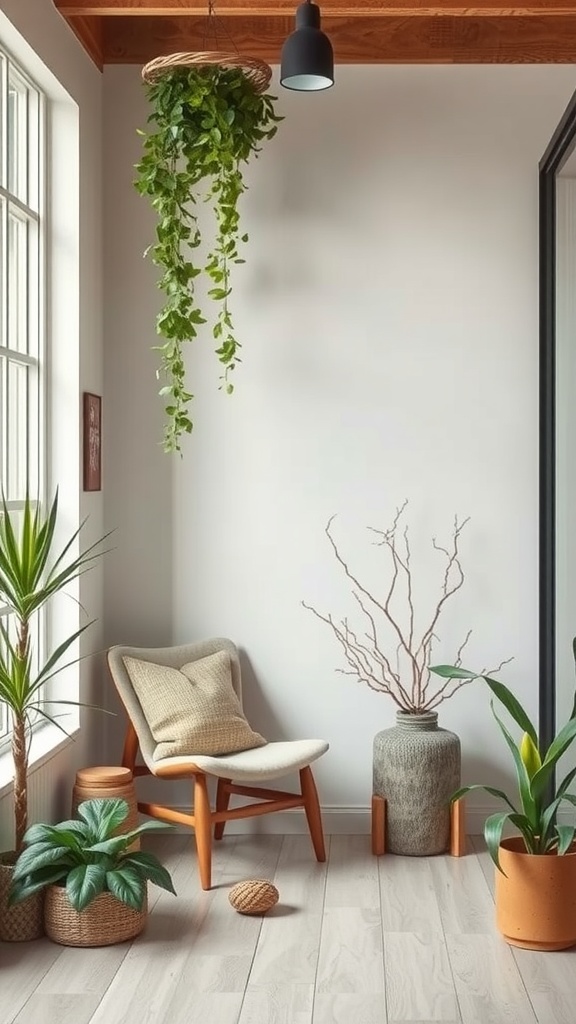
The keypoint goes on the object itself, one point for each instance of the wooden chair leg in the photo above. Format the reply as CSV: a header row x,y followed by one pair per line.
x,y
458,828
222,801
378,825
130,751
203,830
312,809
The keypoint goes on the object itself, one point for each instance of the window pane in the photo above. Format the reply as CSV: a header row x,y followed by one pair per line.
x,y
3,419
5,721
17,282
22,328
3,272
17,136
3,79
16,417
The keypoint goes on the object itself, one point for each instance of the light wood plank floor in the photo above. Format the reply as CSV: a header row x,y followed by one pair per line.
x,y
359,940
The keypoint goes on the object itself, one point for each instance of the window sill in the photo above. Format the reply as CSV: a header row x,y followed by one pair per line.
x,y
46,744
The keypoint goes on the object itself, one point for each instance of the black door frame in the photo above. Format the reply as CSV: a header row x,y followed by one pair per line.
x,y
558,150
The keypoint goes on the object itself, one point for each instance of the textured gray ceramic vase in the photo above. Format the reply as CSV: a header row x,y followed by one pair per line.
x,y
416,770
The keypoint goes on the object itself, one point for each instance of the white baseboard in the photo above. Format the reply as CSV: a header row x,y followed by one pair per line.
x,y
337,820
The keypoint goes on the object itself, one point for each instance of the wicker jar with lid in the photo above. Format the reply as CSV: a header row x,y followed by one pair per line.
x,y
98,783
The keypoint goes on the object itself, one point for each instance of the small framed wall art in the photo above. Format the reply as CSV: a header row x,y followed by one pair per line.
x,y
92,442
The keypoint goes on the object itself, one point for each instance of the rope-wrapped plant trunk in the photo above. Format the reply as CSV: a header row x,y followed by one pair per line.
x,y
20,758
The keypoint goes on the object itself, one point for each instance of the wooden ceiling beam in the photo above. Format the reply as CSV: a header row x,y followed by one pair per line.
x,y
329,8
90,32
357,40
362,31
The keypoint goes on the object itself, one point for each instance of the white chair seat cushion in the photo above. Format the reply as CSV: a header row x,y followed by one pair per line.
x,y
268,762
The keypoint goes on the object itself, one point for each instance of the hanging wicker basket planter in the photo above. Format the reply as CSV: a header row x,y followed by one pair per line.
x,y
256,71
211,112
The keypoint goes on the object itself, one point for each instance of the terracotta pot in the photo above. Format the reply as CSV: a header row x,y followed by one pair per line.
x,y
20,922
104,922
536,901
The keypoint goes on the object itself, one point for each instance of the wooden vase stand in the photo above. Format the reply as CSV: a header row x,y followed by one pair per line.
x,y
457,845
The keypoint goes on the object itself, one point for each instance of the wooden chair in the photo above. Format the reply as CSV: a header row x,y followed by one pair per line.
x,y
236,773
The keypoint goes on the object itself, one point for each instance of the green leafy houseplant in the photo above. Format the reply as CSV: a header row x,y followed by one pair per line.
x,y
31,573
89,857
535,819
208,121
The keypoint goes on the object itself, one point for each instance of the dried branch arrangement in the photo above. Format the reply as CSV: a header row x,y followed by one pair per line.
x,y
401,668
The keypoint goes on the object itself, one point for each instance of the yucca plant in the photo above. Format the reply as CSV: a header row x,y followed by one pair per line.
x,y
89,857
31,573
535,819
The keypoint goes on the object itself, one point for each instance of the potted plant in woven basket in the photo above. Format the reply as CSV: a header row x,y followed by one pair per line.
x,y
96,886
210,115
32,571
416,764
536,870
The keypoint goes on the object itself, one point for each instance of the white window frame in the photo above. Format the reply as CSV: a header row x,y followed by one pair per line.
x,y
23,201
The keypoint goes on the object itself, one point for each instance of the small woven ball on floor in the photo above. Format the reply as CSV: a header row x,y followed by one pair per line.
x,y
254,896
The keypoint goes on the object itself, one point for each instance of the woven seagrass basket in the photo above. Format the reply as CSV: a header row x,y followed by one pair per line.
x,y
104,922
22,921
256,71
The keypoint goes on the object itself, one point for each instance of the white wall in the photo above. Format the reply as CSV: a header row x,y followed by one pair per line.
x,y
34,32
388,313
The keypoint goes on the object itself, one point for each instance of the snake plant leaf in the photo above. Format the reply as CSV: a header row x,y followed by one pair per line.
x,y
493,829
513,707
527,799
487,789
566,782
558,747
566,838
530,755
548,823
524,825
453,672
568,798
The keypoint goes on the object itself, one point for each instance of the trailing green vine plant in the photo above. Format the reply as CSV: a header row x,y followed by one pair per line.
x,y
207,121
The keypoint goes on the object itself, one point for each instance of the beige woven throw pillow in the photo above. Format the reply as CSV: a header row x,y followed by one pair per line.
x,y
192,710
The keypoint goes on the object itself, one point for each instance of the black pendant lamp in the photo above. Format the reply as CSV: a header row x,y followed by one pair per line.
x,y
307,62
